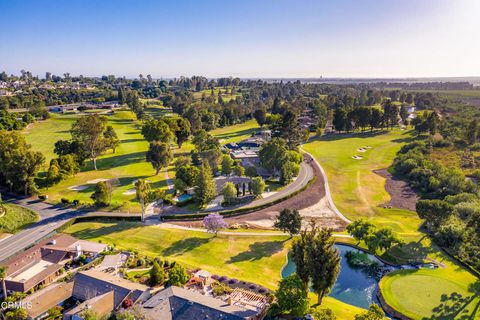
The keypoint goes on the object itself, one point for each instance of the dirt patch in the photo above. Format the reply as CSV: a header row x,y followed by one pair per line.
x,y
403,196
312,198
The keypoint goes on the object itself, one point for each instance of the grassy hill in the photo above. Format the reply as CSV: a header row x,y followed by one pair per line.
x,y
14,218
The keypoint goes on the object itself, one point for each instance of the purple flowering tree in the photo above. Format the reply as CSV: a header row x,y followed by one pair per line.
x,y
214,222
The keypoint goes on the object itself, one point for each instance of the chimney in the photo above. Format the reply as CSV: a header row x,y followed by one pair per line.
x,y
78,248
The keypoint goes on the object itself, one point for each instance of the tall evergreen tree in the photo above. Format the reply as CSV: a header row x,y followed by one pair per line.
x,y
141,190
340,119
205,188
323,263
317,261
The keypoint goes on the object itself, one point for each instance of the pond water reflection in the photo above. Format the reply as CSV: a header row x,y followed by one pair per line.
x,y
354,285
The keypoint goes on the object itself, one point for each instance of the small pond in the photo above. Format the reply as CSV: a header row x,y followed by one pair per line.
x,y
354,285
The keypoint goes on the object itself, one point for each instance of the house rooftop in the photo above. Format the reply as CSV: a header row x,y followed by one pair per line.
x,y
102,305
92,283
244,154
47,298
174,303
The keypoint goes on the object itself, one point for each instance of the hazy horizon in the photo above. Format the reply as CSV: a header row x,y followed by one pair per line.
x,y
251,39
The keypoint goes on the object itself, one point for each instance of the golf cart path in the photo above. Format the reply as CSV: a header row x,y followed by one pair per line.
x,y
328,194
233,233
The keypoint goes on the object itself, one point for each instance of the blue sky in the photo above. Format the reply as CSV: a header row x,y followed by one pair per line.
x,y
248,38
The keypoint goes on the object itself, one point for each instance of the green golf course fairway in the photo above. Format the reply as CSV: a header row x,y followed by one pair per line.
x,y
358,193
126,165
356,190
426,293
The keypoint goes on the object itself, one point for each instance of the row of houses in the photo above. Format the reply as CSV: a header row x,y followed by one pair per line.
x,y
83,106
102,292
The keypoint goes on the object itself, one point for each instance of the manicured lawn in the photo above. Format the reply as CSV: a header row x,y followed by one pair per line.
x,y
126,165
341,309
16,218
358,192
426,293
256,259
235,133
226,97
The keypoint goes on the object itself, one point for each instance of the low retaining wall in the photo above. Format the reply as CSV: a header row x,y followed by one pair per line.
x,y
103,218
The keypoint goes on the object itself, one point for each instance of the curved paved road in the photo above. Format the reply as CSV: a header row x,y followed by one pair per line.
x,y
53,216
304,176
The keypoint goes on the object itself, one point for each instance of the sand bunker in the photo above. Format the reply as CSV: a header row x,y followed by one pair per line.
x,y
357,157
97,181
78,188
363,149
129,192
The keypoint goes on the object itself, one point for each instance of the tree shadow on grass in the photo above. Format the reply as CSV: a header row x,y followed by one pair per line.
x,y
228,135
120,160
453,306
131,140
182,246
341,136
259,250
105,230
405,140
413,251
123,181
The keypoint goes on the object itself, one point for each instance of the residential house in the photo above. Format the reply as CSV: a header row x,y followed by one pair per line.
x,y
93,283
43,300
41,264
174,303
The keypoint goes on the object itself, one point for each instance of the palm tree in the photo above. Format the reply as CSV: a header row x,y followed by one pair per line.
x,y
142,187
3,274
